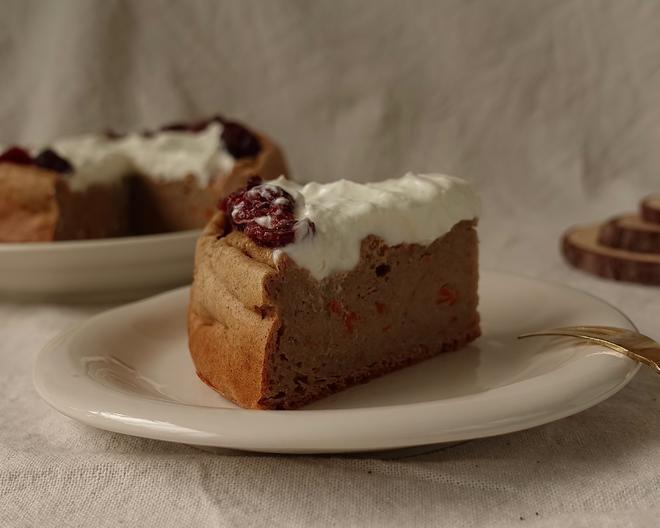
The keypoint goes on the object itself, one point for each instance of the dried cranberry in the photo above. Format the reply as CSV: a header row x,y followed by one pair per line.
x,y
252,181
16,155
240,142
265,213
49,159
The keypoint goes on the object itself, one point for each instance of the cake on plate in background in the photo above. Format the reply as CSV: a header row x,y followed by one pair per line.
x,y
109,185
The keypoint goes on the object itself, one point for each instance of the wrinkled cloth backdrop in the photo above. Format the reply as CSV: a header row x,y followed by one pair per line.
x,y
550,107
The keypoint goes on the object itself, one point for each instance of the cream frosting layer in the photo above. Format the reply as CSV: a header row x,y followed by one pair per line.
x,y
413,209
167,155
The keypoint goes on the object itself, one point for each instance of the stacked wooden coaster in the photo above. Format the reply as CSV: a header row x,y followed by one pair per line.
x,y
625,248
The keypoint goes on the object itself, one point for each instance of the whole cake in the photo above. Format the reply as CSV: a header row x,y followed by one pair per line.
x,y
302,291
107,185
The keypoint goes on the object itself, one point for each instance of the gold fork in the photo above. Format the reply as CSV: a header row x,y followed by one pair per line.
x,y
636,346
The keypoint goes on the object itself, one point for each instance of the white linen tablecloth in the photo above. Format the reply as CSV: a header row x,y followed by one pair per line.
x,y
550,107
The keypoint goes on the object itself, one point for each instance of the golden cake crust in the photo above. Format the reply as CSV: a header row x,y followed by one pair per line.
x,y
28,208
229,332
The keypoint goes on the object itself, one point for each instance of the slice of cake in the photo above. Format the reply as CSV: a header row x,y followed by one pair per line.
x,y
183,170
302,291
105,185
37,202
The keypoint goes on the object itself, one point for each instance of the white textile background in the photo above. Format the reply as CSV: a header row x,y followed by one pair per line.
x,y
551,107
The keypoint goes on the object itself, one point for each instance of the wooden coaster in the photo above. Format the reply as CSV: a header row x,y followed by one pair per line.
x,y
650,208
581,248
632,233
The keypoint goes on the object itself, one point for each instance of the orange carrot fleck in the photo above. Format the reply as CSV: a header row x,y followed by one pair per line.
x,y
335,306
447,295
349,320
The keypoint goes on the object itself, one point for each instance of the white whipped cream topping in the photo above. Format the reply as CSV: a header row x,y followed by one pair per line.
x,y
170,155
413,209
95,159
167,155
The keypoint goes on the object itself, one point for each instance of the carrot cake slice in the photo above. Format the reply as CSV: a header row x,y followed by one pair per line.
x,y
302,291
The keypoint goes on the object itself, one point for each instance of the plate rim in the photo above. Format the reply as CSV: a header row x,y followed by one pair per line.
x,y
177,432
96,243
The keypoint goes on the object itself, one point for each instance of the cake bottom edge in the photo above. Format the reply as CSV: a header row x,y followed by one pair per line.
x,y
350,380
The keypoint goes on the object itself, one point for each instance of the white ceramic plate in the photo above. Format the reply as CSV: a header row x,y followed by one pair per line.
x,y
128,371
97,270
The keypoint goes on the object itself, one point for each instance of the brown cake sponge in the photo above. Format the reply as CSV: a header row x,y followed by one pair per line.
x,y
267,335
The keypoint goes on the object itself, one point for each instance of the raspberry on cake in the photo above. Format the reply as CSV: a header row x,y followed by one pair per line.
x,y
302,291
105,185
265,213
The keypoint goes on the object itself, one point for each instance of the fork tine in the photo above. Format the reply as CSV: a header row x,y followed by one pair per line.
x,y
581,331
564,331
636,346
601,330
